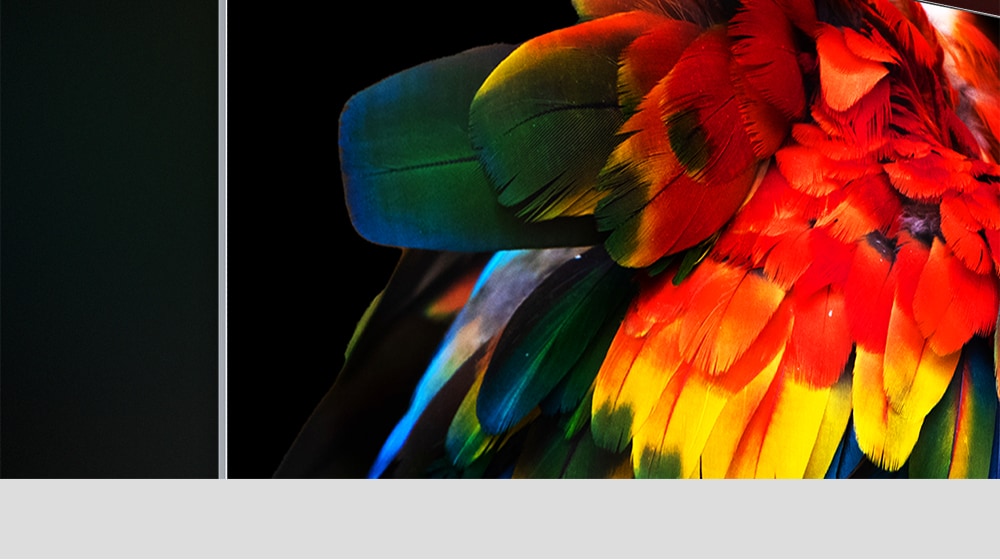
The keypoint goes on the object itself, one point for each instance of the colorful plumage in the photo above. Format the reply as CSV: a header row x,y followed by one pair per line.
x,y
734,238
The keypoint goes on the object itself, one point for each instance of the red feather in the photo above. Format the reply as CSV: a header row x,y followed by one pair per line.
x,y
821,342
702,113
952,303
868,293
650,57
764,47
962,233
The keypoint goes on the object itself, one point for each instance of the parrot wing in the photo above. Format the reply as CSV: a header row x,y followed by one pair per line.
x,y
754,238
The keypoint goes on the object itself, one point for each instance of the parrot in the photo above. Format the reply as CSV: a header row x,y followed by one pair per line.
x,y
680,239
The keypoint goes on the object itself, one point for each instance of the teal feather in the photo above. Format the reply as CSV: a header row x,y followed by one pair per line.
x,y
503,285
570,392
548,335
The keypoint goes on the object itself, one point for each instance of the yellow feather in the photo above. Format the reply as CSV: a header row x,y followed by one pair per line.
x,y
884,436
915,377
652,370
649,436
791,434
694,416
475,441
636,385
732,421
831,431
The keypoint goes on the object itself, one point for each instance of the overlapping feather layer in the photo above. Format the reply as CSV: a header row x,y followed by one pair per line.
x,y
796,213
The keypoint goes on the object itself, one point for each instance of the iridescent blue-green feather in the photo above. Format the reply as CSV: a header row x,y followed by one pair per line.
x,y
411,176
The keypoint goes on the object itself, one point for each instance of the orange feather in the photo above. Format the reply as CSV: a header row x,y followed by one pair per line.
x,y
865,205
847,72
812,172
726,313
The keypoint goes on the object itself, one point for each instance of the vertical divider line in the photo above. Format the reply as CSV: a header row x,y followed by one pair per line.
x,y
222,474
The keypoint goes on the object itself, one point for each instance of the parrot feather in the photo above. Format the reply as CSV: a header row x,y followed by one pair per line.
x,y
792,430
411,175
836,416
547,335
589,460
701,112
544,121
629,384
764,46
506,280
846,74
848,457
729,312
869,291
976,414
545,451
694,413
820,343
883,435
951,302
567,395
960,430
721,446
649,58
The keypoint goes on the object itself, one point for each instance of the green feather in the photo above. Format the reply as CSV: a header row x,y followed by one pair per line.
x,y
973,387
411,176
545,121
590,461
931,455
612,428
545,451
466,442
982,397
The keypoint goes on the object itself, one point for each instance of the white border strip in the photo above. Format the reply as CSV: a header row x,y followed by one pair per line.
x,y
223,440
505,519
